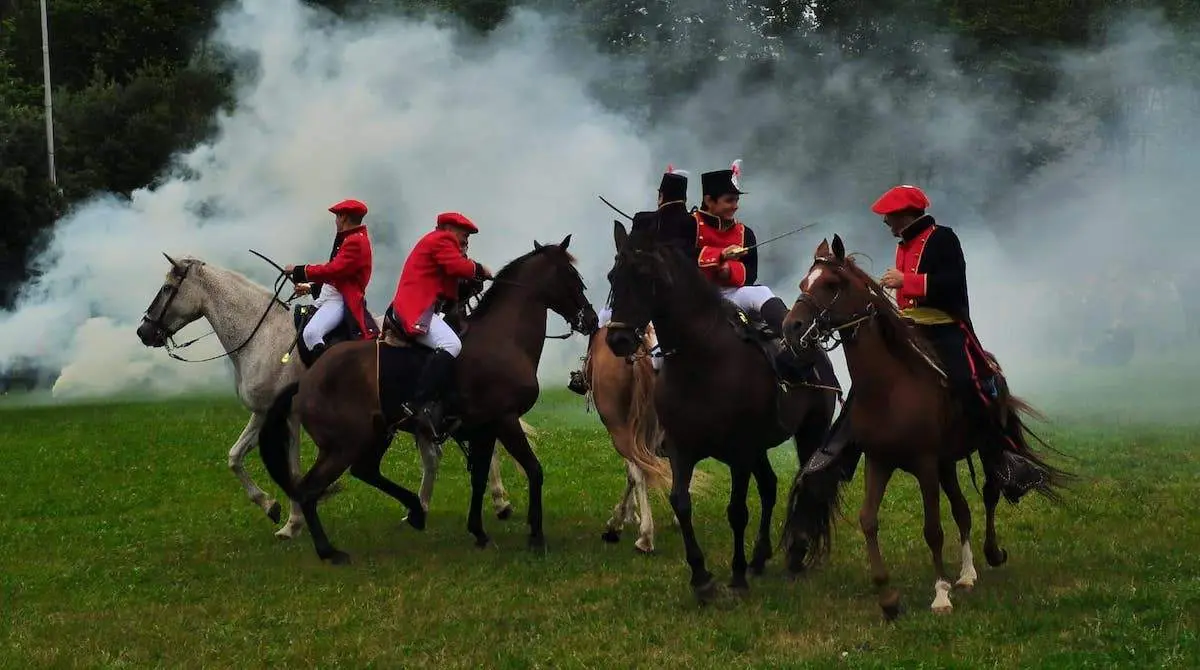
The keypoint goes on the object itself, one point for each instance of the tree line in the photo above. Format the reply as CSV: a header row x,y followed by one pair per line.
x,y
134,82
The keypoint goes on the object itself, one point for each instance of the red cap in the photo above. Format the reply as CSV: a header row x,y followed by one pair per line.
x,y
456,219
355,207
900,198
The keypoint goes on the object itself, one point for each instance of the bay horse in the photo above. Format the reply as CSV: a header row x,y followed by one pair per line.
x,y
255,329
717,394
901,416
350,401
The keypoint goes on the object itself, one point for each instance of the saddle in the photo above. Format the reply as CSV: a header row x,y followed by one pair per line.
x,y
789,368
401,363
347,330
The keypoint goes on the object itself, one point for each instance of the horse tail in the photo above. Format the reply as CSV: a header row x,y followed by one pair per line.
x,y
643,425
814,502
274,438
1050,479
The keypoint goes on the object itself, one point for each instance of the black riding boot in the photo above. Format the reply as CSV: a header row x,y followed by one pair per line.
x,y
773,312
579,381
311,356
427,401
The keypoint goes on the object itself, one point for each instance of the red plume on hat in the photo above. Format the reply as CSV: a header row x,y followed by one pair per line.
x,y
901,198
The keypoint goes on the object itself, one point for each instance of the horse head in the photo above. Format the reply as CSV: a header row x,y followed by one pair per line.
x,y
834,295
177,303
636,277
551,268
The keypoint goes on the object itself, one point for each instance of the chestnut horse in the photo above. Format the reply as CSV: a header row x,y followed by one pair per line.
x,y
350,401
901,416
717,394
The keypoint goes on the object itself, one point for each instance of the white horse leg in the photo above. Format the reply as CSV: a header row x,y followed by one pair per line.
x,y
295,522
237,456
431,456
503,507
616,523
645,541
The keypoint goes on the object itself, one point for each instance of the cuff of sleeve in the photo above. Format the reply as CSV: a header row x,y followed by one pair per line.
x,y
915,284
299,274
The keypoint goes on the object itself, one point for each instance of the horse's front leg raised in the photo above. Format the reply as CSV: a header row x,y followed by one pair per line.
x,y
237,456
682,467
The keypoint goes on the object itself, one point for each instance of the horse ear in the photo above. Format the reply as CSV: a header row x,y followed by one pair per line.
x,y
822,250
172,261
619,234
839,249
537,246
565,243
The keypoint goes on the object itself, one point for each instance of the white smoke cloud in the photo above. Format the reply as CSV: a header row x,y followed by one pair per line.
x,y
415,118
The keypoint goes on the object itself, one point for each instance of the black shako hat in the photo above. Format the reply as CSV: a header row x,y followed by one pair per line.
x,y
722,182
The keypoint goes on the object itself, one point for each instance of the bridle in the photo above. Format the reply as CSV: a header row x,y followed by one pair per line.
x,y
168,338
823,332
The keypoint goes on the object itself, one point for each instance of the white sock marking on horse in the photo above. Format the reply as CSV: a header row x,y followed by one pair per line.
x,y
967,576
941,597
645,541
237,456
499,496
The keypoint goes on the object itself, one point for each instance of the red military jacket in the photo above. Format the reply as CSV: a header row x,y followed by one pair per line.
x,y
711,239
349,271
935,270
432,272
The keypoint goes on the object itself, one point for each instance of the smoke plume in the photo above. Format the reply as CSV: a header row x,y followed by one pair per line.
x,y
417,117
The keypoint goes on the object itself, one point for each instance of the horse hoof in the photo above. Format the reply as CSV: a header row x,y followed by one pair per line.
x,y
964,586
645,549
416,518
996,557
945,609
483,542
338,558
505,514
891,606
288,532
611,536
273,512
537,543
706,593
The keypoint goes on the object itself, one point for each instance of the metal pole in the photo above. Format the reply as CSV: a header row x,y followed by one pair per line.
x,y
49,103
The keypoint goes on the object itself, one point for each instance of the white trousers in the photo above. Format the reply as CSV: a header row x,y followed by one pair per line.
x,y
330,310
605,316
749,298
441,336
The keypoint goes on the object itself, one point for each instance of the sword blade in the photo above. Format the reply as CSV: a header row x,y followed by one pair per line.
x,y
778,237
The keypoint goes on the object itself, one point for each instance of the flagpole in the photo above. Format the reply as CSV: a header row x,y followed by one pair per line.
x,y
49,102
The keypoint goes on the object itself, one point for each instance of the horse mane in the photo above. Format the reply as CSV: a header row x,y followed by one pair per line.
x,y
899,335
679,269
232,274
505,276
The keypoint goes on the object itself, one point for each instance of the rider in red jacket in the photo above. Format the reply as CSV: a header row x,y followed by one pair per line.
x,y
431,276
343,280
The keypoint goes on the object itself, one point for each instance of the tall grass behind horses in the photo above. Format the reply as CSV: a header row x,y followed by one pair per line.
x,y
128,544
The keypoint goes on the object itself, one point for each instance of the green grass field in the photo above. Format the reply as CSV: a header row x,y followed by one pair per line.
x,y
127,542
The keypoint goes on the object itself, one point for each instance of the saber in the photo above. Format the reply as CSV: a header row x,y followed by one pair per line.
x,y
742,250
614,208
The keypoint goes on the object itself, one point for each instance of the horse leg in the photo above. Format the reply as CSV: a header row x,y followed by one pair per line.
x,y
876,481
367,470
504,508
295,523
517,444
480,447
962,518
645,541
995,555
768,485
237,456
616,523
324,472
931,499
682,466
739,516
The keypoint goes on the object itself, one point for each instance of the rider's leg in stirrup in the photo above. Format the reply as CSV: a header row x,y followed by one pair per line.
x,y
427,403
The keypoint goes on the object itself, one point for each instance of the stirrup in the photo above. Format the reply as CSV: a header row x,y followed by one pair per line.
x,y
578,383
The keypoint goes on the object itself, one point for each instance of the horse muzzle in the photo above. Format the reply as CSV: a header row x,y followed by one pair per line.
x,y
151,334
622,341
798,331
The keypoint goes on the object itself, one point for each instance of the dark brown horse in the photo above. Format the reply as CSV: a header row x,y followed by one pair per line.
x,y
349,402
717,395
902,416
